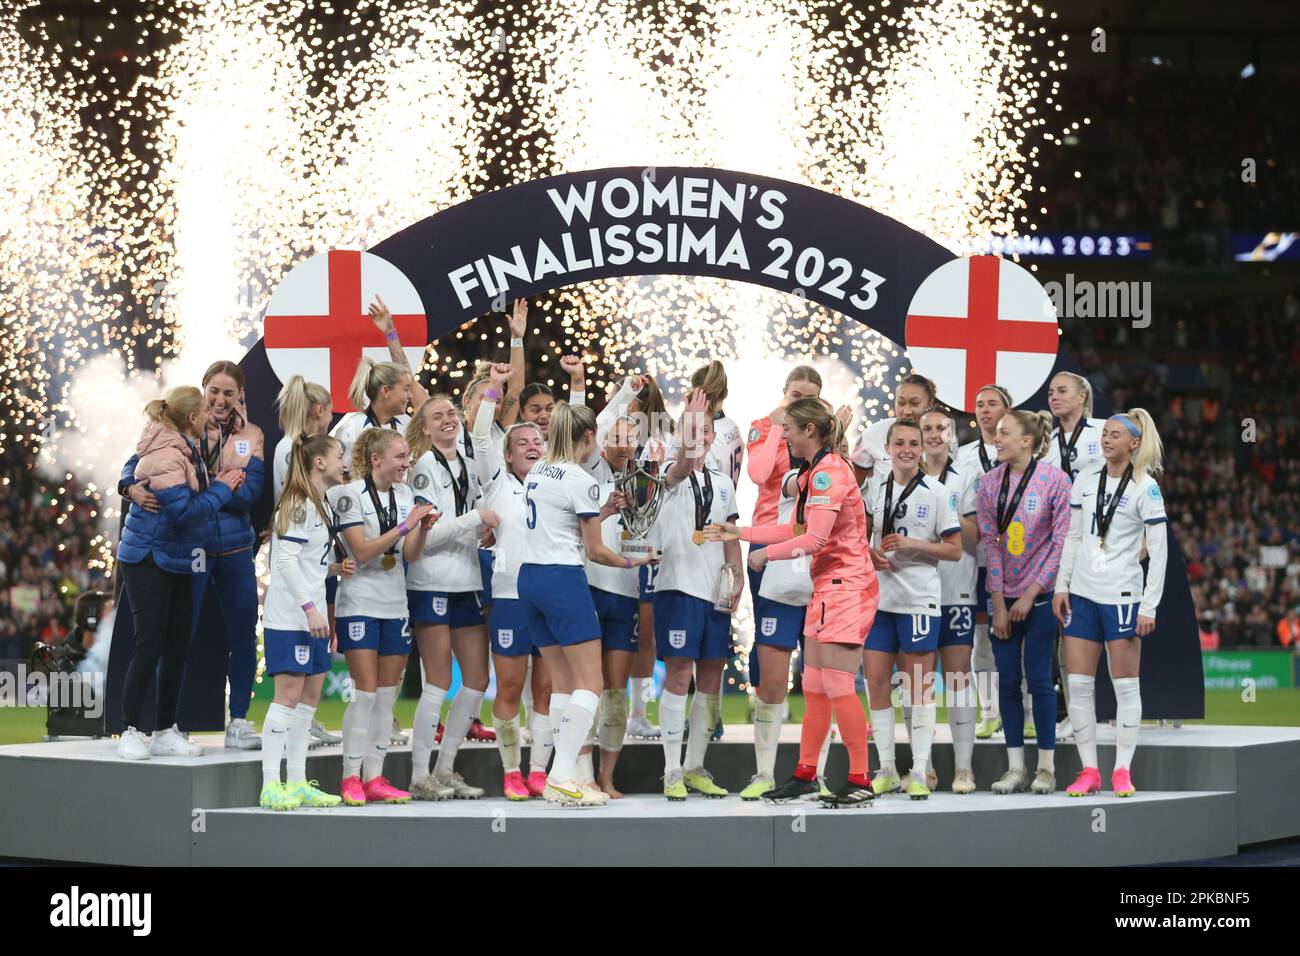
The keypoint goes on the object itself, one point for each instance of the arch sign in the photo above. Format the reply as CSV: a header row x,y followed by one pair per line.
x,y
965,322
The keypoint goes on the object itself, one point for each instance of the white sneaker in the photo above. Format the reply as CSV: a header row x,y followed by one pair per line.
x,y
398,738
1044,781
172,743
320,737
133,745
460,789
1064,730
642,729
241,735
597,794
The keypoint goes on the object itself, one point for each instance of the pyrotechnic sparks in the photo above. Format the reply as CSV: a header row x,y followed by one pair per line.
x,y
250,136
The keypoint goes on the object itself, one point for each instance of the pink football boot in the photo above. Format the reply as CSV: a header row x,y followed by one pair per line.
x,y
1089,781
354,794
379,790
536,783
1122,783
515,787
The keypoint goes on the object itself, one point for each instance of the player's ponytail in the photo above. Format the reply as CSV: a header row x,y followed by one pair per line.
x,y
299,490
712,380
1149,458
813,411
650,401
569,423
372,441
371,376
297,399
1038,426
176,406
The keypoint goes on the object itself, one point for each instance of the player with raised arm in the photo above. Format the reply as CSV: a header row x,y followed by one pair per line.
x,y
692,636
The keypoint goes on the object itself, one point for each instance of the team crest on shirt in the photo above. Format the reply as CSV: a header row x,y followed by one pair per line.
x,y
1094,449
769,626
1123,501
755,434
421,482
1153,493
357,630
921,512
440,606
298,515
505,636
242,447
724,495
345,503
677,639
1031,503
594,492
403,511
822,480
301,653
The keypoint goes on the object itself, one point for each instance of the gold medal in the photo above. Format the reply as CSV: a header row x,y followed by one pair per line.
x,y
627,535
800,527
1101,545
389,562
698,537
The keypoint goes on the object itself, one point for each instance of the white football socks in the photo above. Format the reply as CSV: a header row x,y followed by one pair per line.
x,y
465,707
672,723
356,731
961,721
704,717
381,731
767,736
1128,719
1083,716
295,754
507,729
275,737
424,735
613,720
578,715
539,753
922,735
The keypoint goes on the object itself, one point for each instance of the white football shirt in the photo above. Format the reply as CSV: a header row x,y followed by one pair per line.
x,y
1086,453
694,569
372,591
309,537
913,585
449,561
556,496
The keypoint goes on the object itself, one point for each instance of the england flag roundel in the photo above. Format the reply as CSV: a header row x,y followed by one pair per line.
x,y
317,325
981,320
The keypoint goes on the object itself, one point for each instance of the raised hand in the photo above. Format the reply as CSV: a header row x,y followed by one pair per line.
x,y
518,318
380,315
499,374
573,367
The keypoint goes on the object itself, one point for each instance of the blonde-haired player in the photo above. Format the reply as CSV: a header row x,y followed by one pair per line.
x,y
443,584
381,525
1101,597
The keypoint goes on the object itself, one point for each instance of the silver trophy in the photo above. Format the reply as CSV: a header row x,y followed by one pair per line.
x,y
642,489
726,590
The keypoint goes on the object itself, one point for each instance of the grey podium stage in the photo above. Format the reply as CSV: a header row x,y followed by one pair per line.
x,y
1205,791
